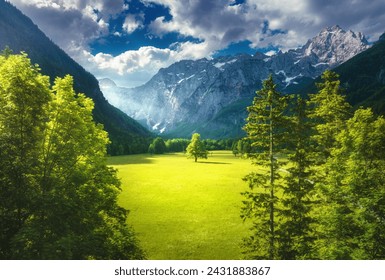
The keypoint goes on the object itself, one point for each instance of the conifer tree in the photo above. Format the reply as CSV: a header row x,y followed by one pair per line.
x,y
352,226
266,128
329,112
296,235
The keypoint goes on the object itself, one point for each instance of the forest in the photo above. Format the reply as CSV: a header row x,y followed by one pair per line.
x,y
318,189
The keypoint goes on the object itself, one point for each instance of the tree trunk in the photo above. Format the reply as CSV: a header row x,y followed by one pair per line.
x,y
271,154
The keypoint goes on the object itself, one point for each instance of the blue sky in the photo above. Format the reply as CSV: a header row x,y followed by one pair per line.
x,y
128,41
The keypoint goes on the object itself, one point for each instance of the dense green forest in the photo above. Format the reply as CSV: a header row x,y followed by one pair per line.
x,y
58,197
318,190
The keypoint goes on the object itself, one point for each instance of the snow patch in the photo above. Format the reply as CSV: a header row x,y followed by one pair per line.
x,y
219,65
186,79
155,127
318,64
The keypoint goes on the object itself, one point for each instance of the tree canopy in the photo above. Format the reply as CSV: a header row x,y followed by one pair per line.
x,y
196,149
58,198
318,189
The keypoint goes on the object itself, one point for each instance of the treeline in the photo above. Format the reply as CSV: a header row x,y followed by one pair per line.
x,y
161,146
58,197
318,189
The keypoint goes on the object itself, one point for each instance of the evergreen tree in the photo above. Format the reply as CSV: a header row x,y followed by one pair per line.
x,y
266,129
352,226
296,236
196,148
329,112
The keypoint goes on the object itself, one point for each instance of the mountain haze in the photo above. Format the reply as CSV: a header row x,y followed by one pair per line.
x,y
19,33
211,96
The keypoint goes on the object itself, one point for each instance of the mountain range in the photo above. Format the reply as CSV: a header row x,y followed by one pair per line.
x,y
210,96
19,33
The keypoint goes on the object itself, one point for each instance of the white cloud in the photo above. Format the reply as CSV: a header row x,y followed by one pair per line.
x,y
132,22
214,23
131,68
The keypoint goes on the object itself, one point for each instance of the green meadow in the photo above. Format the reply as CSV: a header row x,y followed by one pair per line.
x,y
182,210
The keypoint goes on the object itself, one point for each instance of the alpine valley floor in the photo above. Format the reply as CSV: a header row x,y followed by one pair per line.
x,y
182,210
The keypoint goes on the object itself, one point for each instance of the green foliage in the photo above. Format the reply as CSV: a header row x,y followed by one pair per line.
x,y
196,149
18,32
296,234
177,145
266,129
157,146
354,192
58,198
328,204
328,111
24,96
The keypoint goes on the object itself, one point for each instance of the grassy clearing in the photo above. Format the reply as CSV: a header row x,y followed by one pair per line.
x,y
185,210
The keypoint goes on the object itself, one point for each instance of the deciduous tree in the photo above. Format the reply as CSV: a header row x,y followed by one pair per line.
x,y
58,198
196,148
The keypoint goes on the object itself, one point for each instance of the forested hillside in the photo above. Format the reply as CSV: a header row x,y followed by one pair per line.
x,y
19,33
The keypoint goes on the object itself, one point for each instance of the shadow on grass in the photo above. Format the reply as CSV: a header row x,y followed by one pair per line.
x,y
213,162
126,160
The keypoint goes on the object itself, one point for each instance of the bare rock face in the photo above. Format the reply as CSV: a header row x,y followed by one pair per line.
x,y
211,96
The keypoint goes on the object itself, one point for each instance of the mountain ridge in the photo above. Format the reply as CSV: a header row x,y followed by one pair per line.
x,y
210,96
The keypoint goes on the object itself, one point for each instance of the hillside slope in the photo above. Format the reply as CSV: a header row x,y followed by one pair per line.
x,y
19,33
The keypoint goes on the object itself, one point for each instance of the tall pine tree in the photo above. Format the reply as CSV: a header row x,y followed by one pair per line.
x,y
296,235
266,128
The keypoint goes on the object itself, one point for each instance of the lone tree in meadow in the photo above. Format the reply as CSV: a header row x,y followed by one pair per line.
x,y
196,149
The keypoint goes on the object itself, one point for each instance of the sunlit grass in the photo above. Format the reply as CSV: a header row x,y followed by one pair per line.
x,y
185,210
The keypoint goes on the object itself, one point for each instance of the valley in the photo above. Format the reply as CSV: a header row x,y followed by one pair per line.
x,y
185,210
93,170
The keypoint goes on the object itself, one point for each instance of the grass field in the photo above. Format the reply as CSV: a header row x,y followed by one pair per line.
x,y
185,210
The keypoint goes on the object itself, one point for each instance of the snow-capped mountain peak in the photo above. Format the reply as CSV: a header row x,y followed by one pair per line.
x,y
333,45
210,96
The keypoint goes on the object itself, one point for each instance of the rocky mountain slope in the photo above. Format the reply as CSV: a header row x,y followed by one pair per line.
x,y
20,34
211,96
363,78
